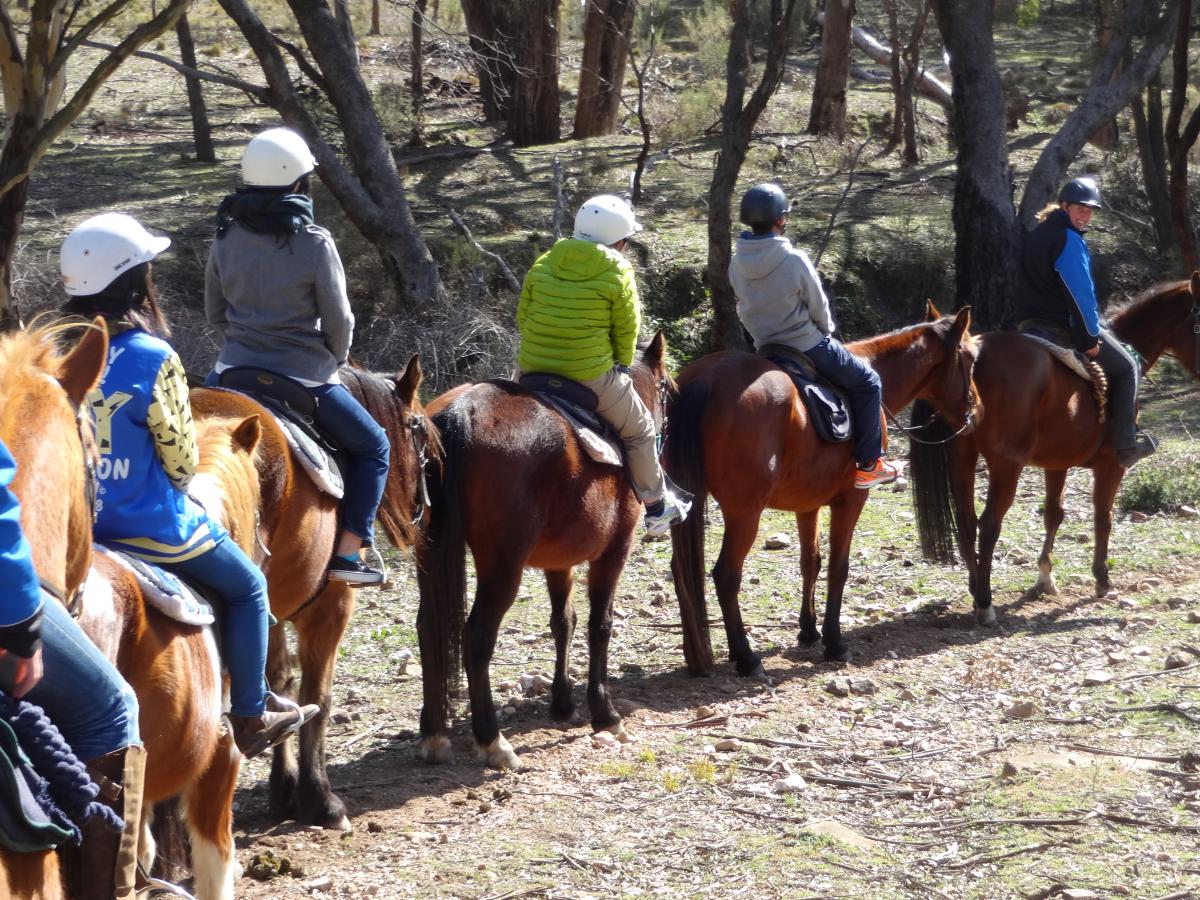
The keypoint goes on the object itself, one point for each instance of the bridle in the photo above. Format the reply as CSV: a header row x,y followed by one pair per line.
x,y
968,421
1196,335
418,429
664,396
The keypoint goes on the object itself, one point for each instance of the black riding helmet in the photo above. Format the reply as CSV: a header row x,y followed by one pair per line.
x,y
763,204
1083,191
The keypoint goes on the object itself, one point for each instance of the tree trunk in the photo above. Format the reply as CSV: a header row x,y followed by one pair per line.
x,y
605,48
737,128
375,201
533,117
828,113
418,73
201,130
1105,137
374,18
643,121
1179,144
493,62
1148,129
893,17
908,87
985,228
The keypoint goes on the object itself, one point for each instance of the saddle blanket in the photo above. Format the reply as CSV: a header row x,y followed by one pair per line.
x,y
166,592
319,462
826,405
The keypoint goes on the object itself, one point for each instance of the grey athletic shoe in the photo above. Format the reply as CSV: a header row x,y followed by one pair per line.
x,y
663,513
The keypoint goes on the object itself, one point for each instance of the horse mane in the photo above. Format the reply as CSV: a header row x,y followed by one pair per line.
x,y
232,469
1137,302
377,394
34,351
901,338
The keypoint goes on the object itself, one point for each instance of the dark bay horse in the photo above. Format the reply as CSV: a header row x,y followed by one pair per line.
x,y
296,528
173,668
739,431
1038,413
516,487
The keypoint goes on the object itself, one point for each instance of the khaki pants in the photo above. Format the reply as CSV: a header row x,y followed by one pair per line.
x,y
618,404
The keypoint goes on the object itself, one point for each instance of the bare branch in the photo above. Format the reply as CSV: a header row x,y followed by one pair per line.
x,y
89,28
509,277
258,91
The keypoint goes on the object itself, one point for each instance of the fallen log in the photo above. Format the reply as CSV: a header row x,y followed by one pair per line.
x,y
926,84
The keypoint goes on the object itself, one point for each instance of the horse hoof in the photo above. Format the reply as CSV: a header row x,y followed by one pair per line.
x,y
563,713
808,640
752,669
617,731
1046,586
499,754
437,751
838,654
985,615
343,826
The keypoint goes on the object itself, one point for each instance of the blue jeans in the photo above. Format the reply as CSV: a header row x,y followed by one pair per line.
x,y
81,691
352,427
846,371
242,586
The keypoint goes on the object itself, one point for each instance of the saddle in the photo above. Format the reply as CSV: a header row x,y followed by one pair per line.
x,y
1057,343
293,406
168,593
577,405
826,404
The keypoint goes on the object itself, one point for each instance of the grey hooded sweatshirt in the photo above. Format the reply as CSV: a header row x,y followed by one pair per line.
x,y
780,300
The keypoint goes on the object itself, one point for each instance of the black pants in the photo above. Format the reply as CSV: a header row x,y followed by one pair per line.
x,y
1122,372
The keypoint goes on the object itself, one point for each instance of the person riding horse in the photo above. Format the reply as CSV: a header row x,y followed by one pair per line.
x,y
578,317
1057,302
147,443
780,301
275,289
50,662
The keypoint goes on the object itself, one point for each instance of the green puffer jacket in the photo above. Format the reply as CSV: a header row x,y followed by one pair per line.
x,y
579,311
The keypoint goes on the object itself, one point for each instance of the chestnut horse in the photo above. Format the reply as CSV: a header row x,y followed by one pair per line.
x,y
296,529
740,431
516,487
1046,416
188,753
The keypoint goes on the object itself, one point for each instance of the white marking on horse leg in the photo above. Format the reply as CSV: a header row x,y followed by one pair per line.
x,y
213,869
617,730
147,846
499,754
986,615
437,750
1045,580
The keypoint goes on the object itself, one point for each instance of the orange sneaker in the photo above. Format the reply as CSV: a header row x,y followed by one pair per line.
x,y
881,472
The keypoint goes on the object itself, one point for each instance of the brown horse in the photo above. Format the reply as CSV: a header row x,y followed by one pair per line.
x,y
1040,414
296,528
188,753
516,487
740,431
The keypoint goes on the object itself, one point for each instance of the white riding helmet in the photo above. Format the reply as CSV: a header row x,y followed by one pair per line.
x,y
276,158
605,220
101,248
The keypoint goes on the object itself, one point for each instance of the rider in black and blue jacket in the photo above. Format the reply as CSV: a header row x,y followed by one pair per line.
x,y
1057,300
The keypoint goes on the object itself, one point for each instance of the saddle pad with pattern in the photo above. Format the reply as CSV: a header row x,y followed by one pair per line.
x,y
577,405
292,406
826,405
1089,371
166,592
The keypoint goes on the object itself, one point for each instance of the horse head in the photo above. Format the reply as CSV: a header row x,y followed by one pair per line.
x,y
43,422
951,388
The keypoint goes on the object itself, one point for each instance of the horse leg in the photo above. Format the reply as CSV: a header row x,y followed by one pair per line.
x,y
810,568
319,629
843,516
741,528
284,768
603,574
494,595
1106,482
1002,488
963,460
208,812
562,626
1052,517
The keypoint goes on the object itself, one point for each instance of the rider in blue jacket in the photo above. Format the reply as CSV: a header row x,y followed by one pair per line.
x,y
1057,300
50,662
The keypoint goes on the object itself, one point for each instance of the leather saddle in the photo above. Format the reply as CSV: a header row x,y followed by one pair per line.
x,y
1058,344
293,406
577,404
826,404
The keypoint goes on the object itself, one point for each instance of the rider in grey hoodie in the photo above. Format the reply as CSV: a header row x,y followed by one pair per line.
x,y
780,301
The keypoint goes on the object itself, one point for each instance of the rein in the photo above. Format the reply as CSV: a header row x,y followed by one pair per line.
x,y
1196,335
418,427
968,422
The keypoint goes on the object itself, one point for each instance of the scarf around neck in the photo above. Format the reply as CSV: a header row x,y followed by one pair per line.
x,y
265,212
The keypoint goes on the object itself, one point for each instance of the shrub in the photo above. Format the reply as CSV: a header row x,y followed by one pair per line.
x,y
1168,480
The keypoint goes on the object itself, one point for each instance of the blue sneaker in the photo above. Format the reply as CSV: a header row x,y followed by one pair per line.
x,y
665,512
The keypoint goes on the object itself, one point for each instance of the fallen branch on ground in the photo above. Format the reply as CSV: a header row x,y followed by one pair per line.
x,y
1156,707
984,858
509,277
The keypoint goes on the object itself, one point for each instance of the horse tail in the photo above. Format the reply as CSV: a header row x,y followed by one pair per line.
x,y
442,573
932,487
685,464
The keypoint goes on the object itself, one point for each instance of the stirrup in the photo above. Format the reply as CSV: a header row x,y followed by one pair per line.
x,y
158,884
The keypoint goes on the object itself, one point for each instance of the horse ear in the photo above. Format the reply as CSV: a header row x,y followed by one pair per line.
x,y
931,312
962,323
407,384
656,351
247,434
83,366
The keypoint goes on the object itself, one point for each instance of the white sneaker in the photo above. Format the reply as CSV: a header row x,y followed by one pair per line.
x,y
664,513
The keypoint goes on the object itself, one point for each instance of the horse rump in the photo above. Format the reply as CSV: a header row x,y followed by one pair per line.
x,y
933,493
